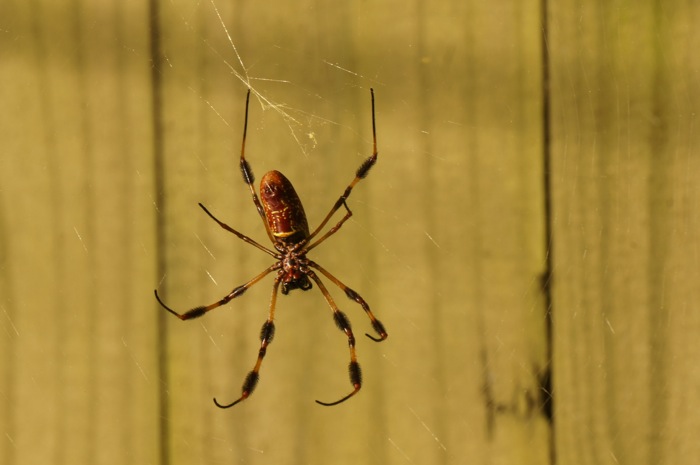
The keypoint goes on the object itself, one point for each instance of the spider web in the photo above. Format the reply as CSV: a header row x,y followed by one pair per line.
x,y
298,122
304,138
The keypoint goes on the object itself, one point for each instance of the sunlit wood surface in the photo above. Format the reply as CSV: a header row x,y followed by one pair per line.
x,y
530,156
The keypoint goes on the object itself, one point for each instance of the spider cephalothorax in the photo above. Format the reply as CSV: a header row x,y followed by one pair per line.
x,y
294,273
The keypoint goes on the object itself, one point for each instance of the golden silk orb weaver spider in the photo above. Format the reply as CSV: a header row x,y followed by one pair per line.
x,y
285,222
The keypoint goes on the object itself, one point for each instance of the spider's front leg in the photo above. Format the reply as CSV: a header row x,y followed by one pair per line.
x,y
376,324
342,322
267,332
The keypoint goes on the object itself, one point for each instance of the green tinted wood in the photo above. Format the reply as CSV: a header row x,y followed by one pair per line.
x,y
447,243
624,99
79,379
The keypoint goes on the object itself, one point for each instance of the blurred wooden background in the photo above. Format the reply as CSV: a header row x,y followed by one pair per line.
x,y
532,156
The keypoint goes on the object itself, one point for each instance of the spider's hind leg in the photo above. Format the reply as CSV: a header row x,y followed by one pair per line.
x,y
360,174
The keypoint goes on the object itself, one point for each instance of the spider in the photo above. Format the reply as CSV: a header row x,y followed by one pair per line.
x,y
285,223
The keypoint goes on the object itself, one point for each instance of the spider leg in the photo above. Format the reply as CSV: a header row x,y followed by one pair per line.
x,y
341,320
331,231
247,173
241,236
199,311
376,324
361,173
267,332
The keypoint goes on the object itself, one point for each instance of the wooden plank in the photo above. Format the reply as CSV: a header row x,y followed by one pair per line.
x,y
625,171
446,242
471,222
79,383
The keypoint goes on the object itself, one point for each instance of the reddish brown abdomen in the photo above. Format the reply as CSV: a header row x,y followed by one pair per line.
x,y
283,210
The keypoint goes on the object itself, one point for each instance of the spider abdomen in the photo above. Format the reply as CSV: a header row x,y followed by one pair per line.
x,y
283,209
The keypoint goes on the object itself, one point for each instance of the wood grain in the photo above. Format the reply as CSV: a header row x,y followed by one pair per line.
x,y
625,209
119,118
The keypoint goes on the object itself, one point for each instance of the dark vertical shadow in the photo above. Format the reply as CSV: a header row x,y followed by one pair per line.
x,y
9,346
426,211
545,378
159,184
661,187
